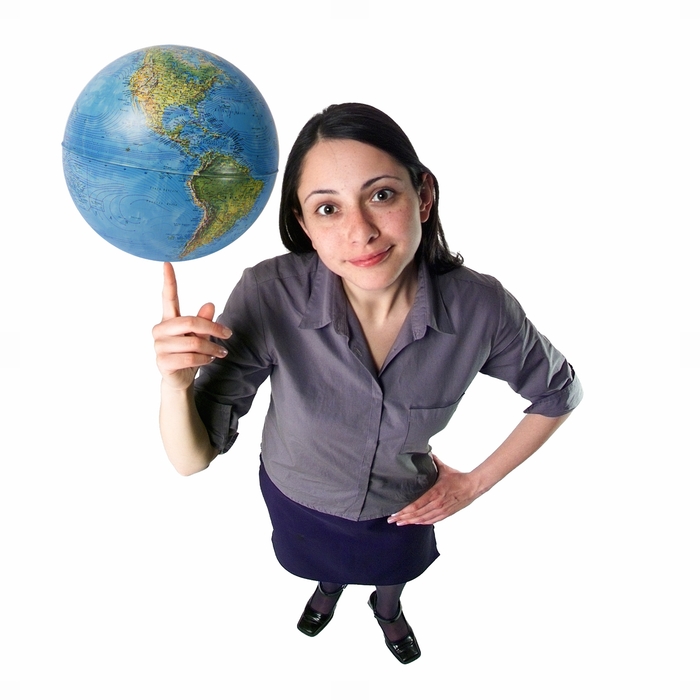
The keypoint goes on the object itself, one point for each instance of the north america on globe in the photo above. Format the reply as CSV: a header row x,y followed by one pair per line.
x,y
169,88
170,153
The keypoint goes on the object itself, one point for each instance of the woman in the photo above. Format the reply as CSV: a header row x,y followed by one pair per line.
x,y
370,332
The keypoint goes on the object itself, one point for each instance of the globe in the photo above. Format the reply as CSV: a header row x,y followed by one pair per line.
x,y
170,153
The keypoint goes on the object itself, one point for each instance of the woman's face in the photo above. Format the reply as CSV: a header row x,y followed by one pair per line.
x,y
361,212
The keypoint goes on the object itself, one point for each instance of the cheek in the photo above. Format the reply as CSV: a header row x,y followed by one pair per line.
x,y
321,241
405,223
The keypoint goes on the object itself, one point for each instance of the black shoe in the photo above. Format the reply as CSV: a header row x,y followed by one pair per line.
x,y
405,649
312,622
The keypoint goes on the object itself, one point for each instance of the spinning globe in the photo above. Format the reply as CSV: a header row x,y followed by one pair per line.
x,y
170,153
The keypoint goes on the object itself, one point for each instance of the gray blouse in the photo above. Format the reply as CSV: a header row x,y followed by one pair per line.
x,y
341,437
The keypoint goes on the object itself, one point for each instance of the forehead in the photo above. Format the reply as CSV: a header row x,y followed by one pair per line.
x,y
346,161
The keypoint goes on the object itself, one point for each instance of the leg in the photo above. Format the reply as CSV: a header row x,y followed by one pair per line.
x,y
324,598
387,608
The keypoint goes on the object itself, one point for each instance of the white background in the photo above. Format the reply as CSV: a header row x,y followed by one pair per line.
x,y
565,139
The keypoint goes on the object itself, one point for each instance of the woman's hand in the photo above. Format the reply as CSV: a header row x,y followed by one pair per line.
x,y
182,343
455,490
452,491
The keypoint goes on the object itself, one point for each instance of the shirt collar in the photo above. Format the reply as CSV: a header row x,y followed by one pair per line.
x,y
429,308
327,304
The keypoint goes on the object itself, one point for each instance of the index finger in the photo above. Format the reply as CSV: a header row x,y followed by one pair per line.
x,y
171,303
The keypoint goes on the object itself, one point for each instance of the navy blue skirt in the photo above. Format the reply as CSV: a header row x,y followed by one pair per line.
x,y
324,547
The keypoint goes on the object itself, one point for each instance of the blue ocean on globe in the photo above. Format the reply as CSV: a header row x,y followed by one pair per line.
x,y
170,153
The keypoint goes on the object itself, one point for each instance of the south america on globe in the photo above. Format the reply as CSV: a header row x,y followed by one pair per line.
x,y
170,153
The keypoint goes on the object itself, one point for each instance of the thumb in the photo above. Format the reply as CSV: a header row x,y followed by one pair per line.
x,y
207,311
437,461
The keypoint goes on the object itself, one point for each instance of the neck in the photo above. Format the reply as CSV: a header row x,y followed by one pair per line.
x,y
380,305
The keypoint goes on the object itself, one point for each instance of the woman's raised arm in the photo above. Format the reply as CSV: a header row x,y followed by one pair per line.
x,y
182,345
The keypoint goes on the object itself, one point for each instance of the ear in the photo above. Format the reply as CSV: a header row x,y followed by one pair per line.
x,y
426,194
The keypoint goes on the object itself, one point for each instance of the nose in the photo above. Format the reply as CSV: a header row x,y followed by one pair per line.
x,y
362,228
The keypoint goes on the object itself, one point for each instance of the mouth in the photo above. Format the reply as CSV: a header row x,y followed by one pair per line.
x,y
372,259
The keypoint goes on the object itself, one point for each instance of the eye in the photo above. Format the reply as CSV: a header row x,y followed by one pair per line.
x,y
383,195
326,209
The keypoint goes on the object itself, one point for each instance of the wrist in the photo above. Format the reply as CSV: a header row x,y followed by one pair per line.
x,y
483,479
170,388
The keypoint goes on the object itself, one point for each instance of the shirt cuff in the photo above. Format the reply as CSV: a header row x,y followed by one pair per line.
x,y
560,402
217,419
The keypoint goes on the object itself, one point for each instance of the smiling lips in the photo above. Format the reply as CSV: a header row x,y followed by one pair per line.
x,y
371,260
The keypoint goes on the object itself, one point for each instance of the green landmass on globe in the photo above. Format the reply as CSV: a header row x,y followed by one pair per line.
x,y
191,126
226,192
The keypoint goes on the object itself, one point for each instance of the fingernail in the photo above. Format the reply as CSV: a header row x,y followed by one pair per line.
x,y
227,332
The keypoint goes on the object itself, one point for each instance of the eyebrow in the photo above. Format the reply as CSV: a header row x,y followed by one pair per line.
x,y
365,186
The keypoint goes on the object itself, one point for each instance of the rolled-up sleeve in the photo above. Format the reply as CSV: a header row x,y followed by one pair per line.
x,y
225,389
531,365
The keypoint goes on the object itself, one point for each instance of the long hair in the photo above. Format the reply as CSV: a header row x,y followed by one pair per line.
x,y
360,122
